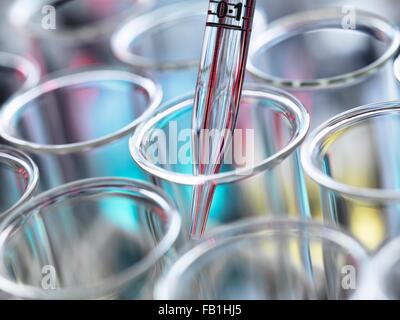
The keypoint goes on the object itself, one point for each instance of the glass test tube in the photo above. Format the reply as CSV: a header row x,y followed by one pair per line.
x,y
222,267
331,78
97,238
71,34
326,87
254,181
360,189
19,177
16,74
76,125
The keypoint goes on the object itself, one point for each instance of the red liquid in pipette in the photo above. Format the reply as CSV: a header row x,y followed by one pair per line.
x,y
217,96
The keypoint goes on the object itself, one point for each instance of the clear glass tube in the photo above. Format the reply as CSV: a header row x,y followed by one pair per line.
x,y
76,125
300,53
16,74
368,48
222,267
91,239
354,160
71,34
19,176
218,92
260,174
166,43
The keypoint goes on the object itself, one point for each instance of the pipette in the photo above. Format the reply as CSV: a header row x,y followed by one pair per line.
x,y
217,95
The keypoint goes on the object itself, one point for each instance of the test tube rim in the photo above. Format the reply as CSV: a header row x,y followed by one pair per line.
x,y
133,28
299,23
285,100
344,121
71,78
22,11
106,287
168,284
12,155
27,67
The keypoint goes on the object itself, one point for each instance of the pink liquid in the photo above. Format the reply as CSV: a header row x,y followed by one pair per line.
x,y
217,96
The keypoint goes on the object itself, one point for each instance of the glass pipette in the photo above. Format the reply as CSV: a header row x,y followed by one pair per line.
x,y
217,95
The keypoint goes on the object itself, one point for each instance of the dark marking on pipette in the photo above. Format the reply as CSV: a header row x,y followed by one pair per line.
x,y
222,25
224,14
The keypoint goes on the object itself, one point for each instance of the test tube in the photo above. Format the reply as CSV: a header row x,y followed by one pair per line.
x,y
19,177
359,189
71,34
166,44
75,125
260,175
222,267
16,74
91,239
331,78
